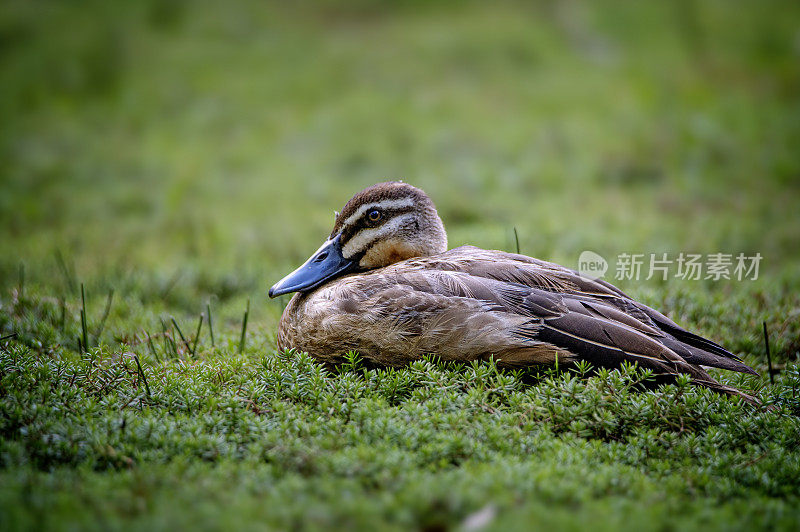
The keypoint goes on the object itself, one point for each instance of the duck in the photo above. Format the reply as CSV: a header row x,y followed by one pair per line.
x,y
385,285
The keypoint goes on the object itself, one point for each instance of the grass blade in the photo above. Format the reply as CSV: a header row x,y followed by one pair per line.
x,y
164,337
152,347
84,331
171,284
180,333
141,374
62,320
169,340
106,310
21,290
69,279
197,334
516,239
210,323
769,355
244,327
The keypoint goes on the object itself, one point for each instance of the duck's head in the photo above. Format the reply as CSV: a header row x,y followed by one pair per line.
x,y
381,225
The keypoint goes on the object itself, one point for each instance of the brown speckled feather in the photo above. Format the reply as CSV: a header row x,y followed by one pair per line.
x,y
469,303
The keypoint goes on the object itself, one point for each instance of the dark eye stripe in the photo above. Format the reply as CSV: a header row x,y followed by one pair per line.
x,y
362,223
385,215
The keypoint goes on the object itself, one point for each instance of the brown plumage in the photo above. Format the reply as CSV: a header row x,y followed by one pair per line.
x,y
383,285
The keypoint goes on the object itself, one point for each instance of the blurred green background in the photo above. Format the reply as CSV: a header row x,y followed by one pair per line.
x,y
185,152
203,148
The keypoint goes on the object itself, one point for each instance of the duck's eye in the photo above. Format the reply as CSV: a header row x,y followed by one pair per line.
x,y
374,215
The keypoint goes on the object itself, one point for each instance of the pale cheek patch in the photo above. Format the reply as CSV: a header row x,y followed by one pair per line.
x,y
365,238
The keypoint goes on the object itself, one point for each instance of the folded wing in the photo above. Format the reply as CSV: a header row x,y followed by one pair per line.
x,y
589,319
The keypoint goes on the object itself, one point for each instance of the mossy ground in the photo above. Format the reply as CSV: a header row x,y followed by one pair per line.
x,y
185,155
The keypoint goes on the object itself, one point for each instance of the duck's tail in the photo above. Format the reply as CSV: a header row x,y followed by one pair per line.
x,y
695,349
713,384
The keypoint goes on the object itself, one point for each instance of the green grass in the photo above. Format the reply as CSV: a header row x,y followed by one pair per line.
x,y
186,156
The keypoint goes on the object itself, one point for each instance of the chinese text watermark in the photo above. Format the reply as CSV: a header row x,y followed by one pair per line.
x,y
685,266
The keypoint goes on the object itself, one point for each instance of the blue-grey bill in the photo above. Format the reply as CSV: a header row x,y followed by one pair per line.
x,y
325,264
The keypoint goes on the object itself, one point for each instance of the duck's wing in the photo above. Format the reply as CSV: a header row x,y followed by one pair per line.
x,y
602,326
596,296
588,317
